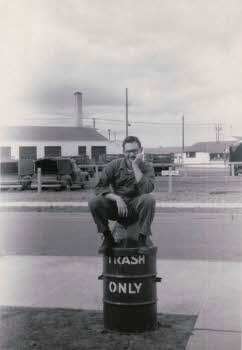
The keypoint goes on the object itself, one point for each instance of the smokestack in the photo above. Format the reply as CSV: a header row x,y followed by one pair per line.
x,y
78,108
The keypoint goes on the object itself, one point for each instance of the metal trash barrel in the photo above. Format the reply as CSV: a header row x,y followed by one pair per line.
x,y
129,290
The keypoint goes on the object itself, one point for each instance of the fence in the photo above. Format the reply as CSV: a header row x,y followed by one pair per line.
x,y
97,167
184,170
210,175
203,176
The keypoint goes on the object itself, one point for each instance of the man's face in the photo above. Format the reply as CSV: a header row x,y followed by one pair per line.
x,y
131,149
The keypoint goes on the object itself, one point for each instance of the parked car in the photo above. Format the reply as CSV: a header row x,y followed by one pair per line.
x,y
16,173
84,160
235,155
59,172
160,161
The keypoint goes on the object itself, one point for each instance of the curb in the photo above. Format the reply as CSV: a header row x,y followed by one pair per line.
x,y
189,205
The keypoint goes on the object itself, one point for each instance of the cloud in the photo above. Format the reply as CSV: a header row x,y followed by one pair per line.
x,y
175,58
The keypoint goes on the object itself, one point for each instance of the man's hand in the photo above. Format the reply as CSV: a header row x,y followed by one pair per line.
x,y
138,159
136,166
122,207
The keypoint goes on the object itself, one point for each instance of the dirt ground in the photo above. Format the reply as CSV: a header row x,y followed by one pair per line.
x,y
67,329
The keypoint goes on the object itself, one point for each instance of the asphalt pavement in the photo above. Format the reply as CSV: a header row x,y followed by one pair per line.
x,y
178,235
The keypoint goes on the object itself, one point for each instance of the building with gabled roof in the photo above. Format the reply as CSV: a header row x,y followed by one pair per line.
x,y
207,152
209,146
32,142
50,133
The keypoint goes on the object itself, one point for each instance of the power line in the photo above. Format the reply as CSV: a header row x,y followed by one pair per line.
x,y
66,117
158,123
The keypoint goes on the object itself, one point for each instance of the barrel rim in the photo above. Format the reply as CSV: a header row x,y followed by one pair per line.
x,y
147,275
117,251
154,301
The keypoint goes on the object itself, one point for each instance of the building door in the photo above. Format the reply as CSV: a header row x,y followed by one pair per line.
x,y
52,151
99,153
82,150
28,152
5,153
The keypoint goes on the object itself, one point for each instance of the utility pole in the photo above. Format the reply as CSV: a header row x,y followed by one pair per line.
x,y
94,123
109,134
183,139
127,113
218,128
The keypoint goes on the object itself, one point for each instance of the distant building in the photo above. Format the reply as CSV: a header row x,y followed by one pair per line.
x,y
210,152
162,150
207,152
32,142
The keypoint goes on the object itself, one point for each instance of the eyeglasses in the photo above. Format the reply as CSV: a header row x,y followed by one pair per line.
x,y
135,151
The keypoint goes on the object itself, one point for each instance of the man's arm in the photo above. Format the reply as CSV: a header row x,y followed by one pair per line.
x,y
145,180
121,205
102,187
136,169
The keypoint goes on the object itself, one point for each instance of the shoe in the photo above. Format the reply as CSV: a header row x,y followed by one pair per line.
x,y
107,244
143,244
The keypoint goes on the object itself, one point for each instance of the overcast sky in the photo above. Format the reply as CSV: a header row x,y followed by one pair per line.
x,y
175,58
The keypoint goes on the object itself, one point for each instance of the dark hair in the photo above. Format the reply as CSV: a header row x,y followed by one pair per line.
x,y
131,139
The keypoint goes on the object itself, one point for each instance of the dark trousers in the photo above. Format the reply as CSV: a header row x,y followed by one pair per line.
x,y
141,209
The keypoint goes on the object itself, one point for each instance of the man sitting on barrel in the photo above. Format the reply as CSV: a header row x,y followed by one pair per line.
x,y
123,194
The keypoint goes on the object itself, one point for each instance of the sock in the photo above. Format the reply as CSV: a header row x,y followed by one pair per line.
x,y
142,237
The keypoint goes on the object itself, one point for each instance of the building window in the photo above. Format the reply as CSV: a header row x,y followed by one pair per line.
x,y
5,153
9,168
82,150
28,152
217,156
190,154
52,151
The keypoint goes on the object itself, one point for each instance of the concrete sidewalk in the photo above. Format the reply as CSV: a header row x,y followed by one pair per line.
x,y
80,205
211,290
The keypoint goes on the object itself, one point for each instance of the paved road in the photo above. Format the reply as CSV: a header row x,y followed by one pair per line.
x,y
187,235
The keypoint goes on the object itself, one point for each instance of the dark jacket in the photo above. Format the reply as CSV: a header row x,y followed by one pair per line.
x,y
122,180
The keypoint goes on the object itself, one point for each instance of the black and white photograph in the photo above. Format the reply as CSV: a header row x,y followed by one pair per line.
x,y
121,175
